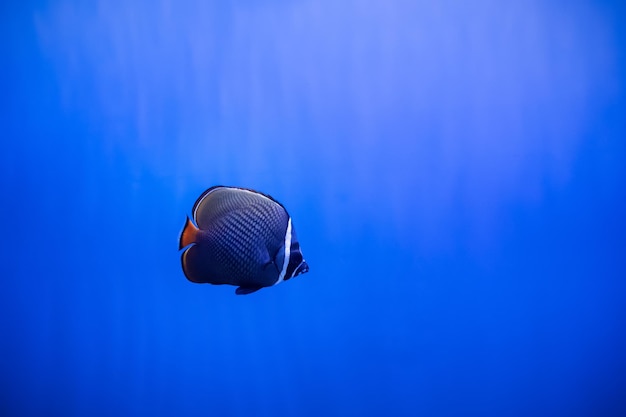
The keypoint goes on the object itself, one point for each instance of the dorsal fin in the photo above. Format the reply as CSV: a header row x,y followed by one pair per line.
x,y
202,196
219,201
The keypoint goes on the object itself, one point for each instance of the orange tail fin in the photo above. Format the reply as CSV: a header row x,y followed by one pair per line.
x,y
189,234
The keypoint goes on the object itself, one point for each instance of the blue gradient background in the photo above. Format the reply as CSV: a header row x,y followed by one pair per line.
x,y
455,171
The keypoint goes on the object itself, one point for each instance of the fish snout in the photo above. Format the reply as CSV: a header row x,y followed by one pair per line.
x,y
303,268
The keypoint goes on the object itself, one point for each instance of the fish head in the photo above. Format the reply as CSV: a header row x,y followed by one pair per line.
x,y
297,264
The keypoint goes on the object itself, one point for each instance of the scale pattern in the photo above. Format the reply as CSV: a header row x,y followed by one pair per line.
x,y
242,231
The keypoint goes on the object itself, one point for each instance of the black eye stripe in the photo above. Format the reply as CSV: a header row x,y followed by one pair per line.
x,y
294,261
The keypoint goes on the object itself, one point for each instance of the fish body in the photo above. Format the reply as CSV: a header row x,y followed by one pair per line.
x,y
240,237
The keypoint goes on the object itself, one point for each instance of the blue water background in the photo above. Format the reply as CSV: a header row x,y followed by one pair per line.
x,y
455,171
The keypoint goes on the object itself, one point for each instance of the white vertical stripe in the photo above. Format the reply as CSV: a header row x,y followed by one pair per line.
x,y
281,277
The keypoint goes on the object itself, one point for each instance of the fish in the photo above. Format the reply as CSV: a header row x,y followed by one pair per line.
x,y
240,237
